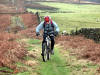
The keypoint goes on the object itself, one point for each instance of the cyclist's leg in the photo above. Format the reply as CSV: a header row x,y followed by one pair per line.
x,y
43,48
52,42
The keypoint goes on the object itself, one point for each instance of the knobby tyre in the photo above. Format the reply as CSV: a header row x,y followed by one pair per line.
x,y
45,55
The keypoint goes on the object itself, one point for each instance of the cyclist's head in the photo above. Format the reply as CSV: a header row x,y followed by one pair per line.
x,y
46,18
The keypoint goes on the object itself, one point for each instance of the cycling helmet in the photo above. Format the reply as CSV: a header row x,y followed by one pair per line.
x,y
46,18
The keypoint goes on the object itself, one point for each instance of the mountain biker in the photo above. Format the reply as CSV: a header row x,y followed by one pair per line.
x,y
50,28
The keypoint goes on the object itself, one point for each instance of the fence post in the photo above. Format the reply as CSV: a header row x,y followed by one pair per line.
x,y
38,17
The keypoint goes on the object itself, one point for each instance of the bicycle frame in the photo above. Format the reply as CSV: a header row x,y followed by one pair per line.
x,y
48,41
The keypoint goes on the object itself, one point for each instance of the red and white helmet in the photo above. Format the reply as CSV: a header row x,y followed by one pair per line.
x,y
47,18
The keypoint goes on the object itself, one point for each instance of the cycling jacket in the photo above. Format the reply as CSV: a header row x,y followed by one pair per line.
x,y
47,28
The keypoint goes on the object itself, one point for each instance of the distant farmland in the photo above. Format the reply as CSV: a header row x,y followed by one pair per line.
x,y
72,16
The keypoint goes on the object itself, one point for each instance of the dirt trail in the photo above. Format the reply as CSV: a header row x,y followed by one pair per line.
x,y
55,66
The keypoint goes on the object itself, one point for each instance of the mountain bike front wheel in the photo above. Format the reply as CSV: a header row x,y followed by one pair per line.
x,y
46,53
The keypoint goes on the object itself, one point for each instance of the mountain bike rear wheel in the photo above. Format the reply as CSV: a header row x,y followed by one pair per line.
x,y
48,55
48,51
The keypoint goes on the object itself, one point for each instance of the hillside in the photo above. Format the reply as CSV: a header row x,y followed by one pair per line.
x,y
70,1
20,48
11,6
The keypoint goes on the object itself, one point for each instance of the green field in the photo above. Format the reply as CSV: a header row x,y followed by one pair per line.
x,y
75,16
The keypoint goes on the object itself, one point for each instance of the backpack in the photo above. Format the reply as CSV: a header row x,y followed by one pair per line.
x,y
51,24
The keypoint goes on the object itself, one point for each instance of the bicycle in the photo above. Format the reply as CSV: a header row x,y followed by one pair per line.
x,y
46,49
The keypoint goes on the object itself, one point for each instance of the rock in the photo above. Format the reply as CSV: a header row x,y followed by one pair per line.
x,y
31,63
32,54
64,32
